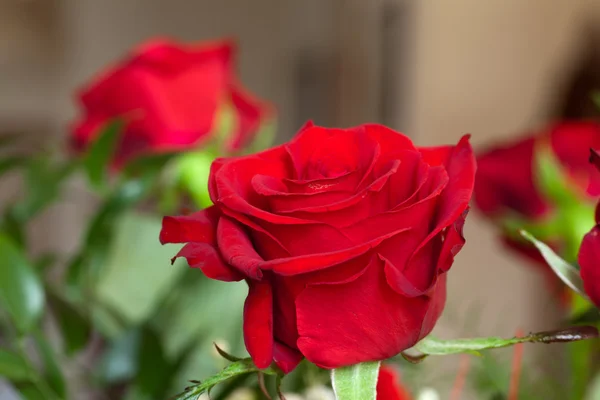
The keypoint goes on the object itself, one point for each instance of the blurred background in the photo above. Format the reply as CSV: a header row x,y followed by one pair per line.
x,y
432,69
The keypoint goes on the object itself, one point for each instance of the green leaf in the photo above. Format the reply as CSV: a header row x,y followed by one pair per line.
x,y
87,265
100,153
14,228
551,178
565,271
13,367
43,181
53,373
434,346
356,382
74,326
9,163
137,273
153,368
193,170
235,369
21,292
265,136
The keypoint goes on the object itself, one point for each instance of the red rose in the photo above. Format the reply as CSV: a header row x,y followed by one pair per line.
x,y
589,252
343,236
506,182
169,95
505,176
388,385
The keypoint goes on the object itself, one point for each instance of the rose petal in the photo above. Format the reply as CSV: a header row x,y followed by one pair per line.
x,y
258,323
286,290
206,258
286,358
318,261
363,320
504,181
453,201
589,262
388,385
198,227
251,112
237,249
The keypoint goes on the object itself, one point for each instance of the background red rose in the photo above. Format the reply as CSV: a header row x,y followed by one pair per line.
x,y
344,237
389,386
170,96
589,253
507,187
505,175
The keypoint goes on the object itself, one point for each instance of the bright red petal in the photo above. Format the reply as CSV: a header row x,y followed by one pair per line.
x,y
258,323
589,262
362,320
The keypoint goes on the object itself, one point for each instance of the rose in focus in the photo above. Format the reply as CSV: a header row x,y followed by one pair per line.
x,y
171,97
344,237
509,189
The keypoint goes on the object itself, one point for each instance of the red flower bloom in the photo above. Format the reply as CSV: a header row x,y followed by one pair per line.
x,y
389,387
169,95
589,252
506,183
344,237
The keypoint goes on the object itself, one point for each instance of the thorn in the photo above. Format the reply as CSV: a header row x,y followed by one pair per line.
x,y
225,354
261,385
413,359
195,381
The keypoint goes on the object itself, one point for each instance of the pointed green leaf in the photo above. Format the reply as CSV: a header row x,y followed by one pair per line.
x,y
356,382
75,328
153,375
100,153
13,367
565,271
21,292
52,371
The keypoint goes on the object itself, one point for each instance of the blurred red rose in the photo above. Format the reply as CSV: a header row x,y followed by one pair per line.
x,y
507,187
344,237
589,252
388,385
169,95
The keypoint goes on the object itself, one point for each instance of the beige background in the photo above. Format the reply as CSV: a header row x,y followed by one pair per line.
x,y
490,68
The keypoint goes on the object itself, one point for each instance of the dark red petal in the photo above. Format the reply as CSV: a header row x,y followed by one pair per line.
x,y
287,359
454,241
251,112
237,249
504,181
589,263
258,323
363,320
453,201
198,227
206,257
388,385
